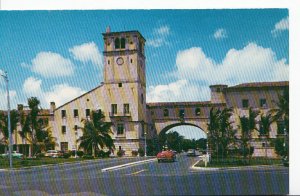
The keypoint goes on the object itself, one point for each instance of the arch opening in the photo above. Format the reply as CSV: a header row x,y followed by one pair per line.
x,y
183,136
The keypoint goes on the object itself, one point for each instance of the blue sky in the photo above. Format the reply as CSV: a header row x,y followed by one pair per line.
x,y
57,55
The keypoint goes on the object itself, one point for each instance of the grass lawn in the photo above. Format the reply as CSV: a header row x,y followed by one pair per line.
x,y
18,163
238,161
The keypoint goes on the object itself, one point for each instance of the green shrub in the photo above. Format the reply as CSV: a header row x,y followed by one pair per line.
x,y
40,155
121,153
134,153
67,155
103,154
88,156
78,152
141,152
24,162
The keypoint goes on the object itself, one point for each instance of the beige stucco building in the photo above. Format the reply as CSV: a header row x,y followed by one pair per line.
x,y
122,99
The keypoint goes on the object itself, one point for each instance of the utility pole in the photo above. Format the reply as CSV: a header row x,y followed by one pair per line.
x,y
5,76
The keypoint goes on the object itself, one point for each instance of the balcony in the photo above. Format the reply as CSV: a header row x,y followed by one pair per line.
x,y
120,114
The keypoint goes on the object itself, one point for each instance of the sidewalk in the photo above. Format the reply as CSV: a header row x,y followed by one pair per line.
x,y
194,167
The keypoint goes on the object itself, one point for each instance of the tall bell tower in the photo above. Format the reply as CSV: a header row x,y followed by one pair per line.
x,y
125,83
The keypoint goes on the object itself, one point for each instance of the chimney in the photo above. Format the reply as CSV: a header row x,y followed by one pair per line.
x,y
52,107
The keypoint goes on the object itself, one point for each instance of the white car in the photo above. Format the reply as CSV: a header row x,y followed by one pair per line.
x,y
14,154
53,153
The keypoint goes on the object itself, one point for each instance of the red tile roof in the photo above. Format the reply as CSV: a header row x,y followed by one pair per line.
x,y
177,104
261,84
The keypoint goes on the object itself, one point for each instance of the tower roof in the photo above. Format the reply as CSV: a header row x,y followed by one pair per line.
x,y
123,32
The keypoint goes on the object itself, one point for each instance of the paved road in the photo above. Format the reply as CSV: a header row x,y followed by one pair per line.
x,y
146,179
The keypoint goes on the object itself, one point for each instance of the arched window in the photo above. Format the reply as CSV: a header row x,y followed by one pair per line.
x,y
122,42
166,112
117,43
197,111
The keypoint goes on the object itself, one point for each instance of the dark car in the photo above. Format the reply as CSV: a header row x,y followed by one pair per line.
x,y
191,152
167,155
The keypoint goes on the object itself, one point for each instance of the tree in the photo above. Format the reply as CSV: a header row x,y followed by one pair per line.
x,y
247,126
34,129
264,128
221,133
174,140
282,110
96,133
281,113
4,124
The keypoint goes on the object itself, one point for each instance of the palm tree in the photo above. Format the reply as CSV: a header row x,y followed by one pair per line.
x,y
4,124
247,126
265,124
227,134
281,113
213,128
282,110
221,134
96,133
34,130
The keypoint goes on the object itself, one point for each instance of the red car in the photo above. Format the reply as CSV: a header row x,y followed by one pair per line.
x,y
166,156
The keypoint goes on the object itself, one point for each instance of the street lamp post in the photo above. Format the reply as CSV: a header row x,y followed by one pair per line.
x,y
207,156
5,76
76,133
145,143
285,141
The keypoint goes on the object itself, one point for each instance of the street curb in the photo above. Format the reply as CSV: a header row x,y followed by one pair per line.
x,y
229,168
52,165
46,165
127,165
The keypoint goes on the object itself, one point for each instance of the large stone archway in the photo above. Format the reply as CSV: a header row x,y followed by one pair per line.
x,y
164,126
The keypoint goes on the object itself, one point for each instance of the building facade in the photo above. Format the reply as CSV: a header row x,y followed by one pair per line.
x,y
122,99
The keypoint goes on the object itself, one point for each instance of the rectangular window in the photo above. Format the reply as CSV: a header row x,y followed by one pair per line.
x,y
114,108
75,113
263,103
63,113
120,84
63,129
120,129
126,108
181,113
166,112
64,146
75,127
87,112
245,103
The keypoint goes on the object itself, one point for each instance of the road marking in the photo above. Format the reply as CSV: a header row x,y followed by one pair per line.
x,y
134,173
127,165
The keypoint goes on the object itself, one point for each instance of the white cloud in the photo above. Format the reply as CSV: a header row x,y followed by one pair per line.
x,y
181,90
60,93
32,86
87,52
280,26
220,34
3,99
50,64
163,30
249,64
160,36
